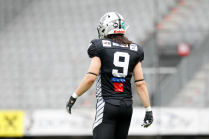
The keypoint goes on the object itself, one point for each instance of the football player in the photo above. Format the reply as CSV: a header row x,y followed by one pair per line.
x,y
114,58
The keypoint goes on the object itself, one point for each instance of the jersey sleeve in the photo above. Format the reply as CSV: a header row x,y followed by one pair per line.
x,y
140,57
92,50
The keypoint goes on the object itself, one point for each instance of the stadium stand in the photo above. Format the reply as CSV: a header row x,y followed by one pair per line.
x,y
176,85
195,92
43,46
186,22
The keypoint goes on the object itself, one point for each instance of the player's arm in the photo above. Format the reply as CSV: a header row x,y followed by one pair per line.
x,y
86,83
142,92
141,86
90,78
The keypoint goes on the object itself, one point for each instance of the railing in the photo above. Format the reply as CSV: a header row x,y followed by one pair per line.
x,y
149,52
185,71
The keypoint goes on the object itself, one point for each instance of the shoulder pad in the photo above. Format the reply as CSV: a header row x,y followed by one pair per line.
x,y
95,40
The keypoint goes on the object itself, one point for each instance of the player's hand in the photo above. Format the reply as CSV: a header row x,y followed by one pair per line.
x,y
69,104
148,119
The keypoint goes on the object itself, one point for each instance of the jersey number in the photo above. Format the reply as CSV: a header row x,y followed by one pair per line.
x,y
124,64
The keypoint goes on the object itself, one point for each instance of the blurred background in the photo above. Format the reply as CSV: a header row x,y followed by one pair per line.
x,y
43,58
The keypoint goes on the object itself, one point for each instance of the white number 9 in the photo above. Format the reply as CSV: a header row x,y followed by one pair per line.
x,y
123,64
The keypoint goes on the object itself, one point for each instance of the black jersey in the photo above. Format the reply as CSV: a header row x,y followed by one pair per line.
x,y
117,64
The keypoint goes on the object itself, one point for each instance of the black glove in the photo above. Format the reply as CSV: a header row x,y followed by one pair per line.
x,y
69,104
148,119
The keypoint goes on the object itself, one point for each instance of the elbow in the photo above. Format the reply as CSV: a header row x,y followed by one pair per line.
x,y
91,79
140,84
141,87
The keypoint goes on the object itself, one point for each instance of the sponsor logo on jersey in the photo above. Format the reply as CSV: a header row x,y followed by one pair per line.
x,y
118,87
121,45
116,44
133,47
123,25
119,31
106,43
119,80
